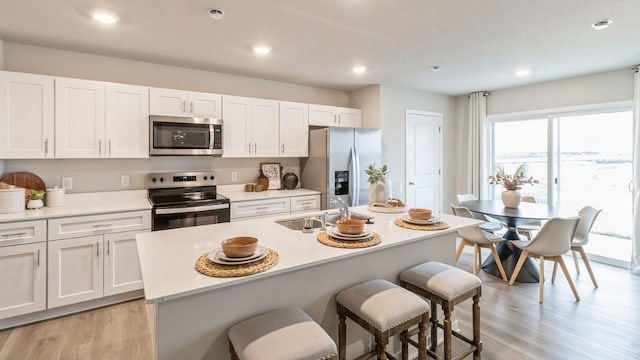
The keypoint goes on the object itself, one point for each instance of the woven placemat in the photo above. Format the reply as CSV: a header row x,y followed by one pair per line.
x,y
437,226
209,268
328,240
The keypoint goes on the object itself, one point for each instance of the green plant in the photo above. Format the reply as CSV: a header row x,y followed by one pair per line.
x,y
512,182
376,174
35,194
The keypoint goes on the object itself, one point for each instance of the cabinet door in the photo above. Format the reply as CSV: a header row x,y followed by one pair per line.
x,y
167,102
75,270
26,116
23,279
320,115
236,112
294,129
205,105
349,117
127,121
265,129
121,264
79,118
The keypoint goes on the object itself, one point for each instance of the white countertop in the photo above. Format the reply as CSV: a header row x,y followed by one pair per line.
x,y
236,192
167,258
86,204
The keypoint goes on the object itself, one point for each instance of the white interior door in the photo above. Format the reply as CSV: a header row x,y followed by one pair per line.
x,y
424,158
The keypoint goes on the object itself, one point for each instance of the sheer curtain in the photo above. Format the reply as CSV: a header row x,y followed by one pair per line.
x,y
476,141
635,255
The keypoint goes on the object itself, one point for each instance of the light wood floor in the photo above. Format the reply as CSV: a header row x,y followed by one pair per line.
x,y
605,324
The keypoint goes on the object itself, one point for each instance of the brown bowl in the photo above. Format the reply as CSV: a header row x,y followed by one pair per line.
x,y
350,226
240,246
420,214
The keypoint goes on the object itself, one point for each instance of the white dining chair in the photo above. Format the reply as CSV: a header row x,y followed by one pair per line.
x,y
488,225
553,240
479,239
529,228
588,216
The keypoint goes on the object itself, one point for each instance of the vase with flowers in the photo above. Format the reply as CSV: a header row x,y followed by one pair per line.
x,y
378,187
512,184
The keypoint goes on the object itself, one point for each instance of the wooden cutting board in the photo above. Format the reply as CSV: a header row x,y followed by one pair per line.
x,y
25,180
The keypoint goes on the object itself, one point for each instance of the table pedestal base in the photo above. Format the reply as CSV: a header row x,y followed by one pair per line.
x,y
509,255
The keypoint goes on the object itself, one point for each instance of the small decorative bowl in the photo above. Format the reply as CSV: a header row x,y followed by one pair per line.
x,y
350,226
241,246
420,214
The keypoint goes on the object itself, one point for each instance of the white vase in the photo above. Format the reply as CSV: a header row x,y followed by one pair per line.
x,y
378,192
511,198
35,204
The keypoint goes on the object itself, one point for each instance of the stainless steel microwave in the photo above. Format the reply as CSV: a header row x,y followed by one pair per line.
x,y
174,135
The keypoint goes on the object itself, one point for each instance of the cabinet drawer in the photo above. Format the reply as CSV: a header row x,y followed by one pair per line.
x,y
73,227
23,232
305,203
260,207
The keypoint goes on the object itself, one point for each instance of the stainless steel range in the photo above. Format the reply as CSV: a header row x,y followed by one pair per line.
x,y
185,199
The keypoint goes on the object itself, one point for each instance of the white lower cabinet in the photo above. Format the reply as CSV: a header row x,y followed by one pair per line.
x,y
94,256
23,278
253,209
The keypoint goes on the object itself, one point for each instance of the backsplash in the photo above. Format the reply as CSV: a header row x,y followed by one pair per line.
x,y
89,175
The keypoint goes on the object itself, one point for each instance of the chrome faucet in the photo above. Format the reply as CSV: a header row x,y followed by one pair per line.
x,y
343,206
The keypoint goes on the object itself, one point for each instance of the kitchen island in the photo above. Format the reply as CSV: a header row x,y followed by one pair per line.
x,y
190,313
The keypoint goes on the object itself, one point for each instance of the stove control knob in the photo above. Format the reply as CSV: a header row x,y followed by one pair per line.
x,y
212,177
161,179
205,178
154,180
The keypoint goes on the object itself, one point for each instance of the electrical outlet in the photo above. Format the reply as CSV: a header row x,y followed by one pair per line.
x,y
124,181
67,183
234,176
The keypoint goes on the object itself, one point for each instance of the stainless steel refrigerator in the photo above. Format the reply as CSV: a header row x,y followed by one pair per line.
x,y
336,163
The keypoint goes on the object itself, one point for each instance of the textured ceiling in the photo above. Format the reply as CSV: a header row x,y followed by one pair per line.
x,y
478,44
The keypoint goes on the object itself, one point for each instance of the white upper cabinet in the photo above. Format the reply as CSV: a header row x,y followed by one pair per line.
x,y
251,127
95,119
294,129
26,116
323,115
170,102
127,121
80,118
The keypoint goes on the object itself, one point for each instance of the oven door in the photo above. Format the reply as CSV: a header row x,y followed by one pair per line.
x,y
177,217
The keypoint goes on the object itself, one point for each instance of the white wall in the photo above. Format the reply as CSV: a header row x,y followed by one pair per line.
x,y
104,174
367,99
394,102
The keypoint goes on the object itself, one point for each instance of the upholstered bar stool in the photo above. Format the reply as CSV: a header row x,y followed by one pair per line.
x,y
284,334
446,285
384,309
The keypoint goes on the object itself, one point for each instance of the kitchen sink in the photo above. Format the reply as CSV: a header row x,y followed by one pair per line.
x,y
298,223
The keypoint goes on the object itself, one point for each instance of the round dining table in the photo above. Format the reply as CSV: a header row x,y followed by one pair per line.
x,y
512,217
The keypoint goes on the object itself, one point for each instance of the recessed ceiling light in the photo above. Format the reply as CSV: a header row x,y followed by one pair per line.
x,y
436,68
523,72
359,69
601,25
105,17
261,50
216,14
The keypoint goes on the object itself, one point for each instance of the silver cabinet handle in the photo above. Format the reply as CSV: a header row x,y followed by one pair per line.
x,y
262,208
108,248
255,148
5,237
109,147
100,147
46,146
184,106
38,258
98,249
191,107
102,225
283,148
411,183
339,120
249,148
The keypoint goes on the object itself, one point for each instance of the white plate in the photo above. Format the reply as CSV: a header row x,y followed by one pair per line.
x,y
338,235
433,220
218,257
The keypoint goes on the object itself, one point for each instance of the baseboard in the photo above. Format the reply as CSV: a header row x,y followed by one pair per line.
x,y
69,309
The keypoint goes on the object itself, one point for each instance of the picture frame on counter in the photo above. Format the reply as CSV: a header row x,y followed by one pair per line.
x,y
273,172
